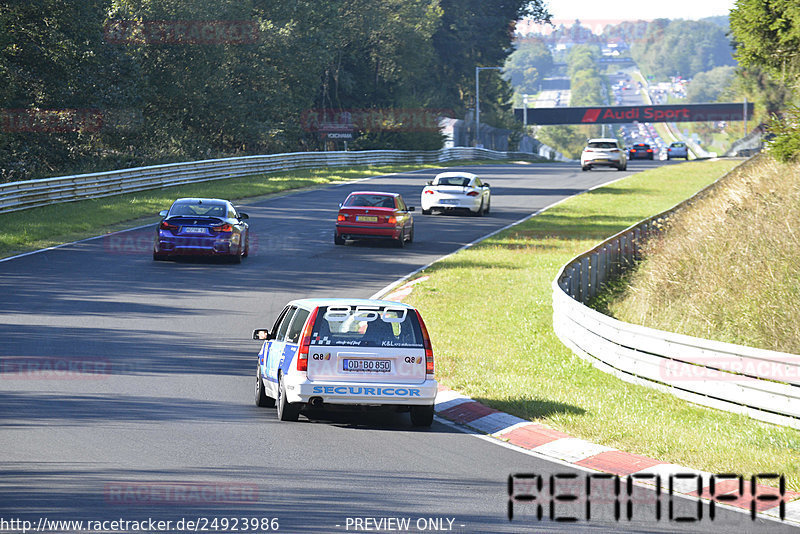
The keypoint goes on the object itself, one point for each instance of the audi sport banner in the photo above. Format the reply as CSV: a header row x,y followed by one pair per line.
x,y
622,114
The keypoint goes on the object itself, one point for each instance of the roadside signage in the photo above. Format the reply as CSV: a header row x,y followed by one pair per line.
x,y
731,111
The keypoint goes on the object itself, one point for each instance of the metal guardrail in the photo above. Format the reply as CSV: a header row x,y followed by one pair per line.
x,y
27,194
763,384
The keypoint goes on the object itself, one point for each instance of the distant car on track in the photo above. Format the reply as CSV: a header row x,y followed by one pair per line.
x,y
641,151
374,215
202,227
457,191
346,352
678,149
603,152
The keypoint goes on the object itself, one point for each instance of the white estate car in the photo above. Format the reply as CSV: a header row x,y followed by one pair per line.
x,y
346,352
603,152
456,190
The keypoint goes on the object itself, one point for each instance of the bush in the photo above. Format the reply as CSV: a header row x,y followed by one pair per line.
x,y
784,130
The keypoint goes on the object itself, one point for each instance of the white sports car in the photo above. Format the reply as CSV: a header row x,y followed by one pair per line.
x,y
456,190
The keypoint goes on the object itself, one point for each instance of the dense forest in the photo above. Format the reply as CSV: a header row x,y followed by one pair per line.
x,y
682,48
103,84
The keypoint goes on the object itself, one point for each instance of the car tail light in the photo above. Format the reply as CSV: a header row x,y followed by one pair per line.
x,y
391,220
167,226
428,191
223,228
341,217
305,342
426,342
472,194
649,149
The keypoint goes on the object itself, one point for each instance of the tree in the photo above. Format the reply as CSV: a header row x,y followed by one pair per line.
x,y
767,34
682,48
708,86
530,62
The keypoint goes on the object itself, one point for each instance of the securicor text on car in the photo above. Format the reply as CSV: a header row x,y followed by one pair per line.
x,y
346,352
457,191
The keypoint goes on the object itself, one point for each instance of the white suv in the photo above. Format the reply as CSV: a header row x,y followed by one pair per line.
x,y
329,352
603,152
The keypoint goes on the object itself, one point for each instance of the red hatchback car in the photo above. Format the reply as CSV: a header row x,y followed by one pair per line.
x,y
374,215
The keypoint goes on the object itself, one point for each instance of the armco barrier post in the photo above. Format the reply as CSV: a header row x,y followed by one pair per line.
x,y
584,288
593,280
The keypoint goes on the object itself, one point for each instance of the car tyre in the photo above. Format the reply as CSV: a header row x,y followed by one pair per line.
x,y
262,399
400,242
287,411
337,239
246,246
422,415
585,168
411,235
426,212
479,213
159,257
236,258
488,205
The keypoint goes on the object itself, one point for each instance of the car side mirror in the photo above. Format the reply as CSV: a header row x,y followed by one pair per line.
x,y
262,334
485,184
340,205
243,216
430,182
163,213
410,208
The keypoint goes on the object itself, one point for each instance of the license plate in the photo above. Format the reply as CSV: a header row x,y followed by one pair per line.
x,y
193,230
366,218
449,201
374,366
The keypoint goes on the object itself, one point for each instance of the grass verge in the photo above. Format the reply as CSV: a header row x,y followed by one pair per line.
x,y
38,228
490,315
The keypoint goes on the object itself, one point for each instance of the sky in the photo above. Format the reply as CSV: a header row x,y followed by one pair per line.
x,y
638,9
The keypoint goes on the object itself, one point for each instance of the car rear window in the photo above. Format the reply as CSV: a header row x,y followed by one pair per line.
x,y
199,209
602,144
453,180
370,201
367,326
